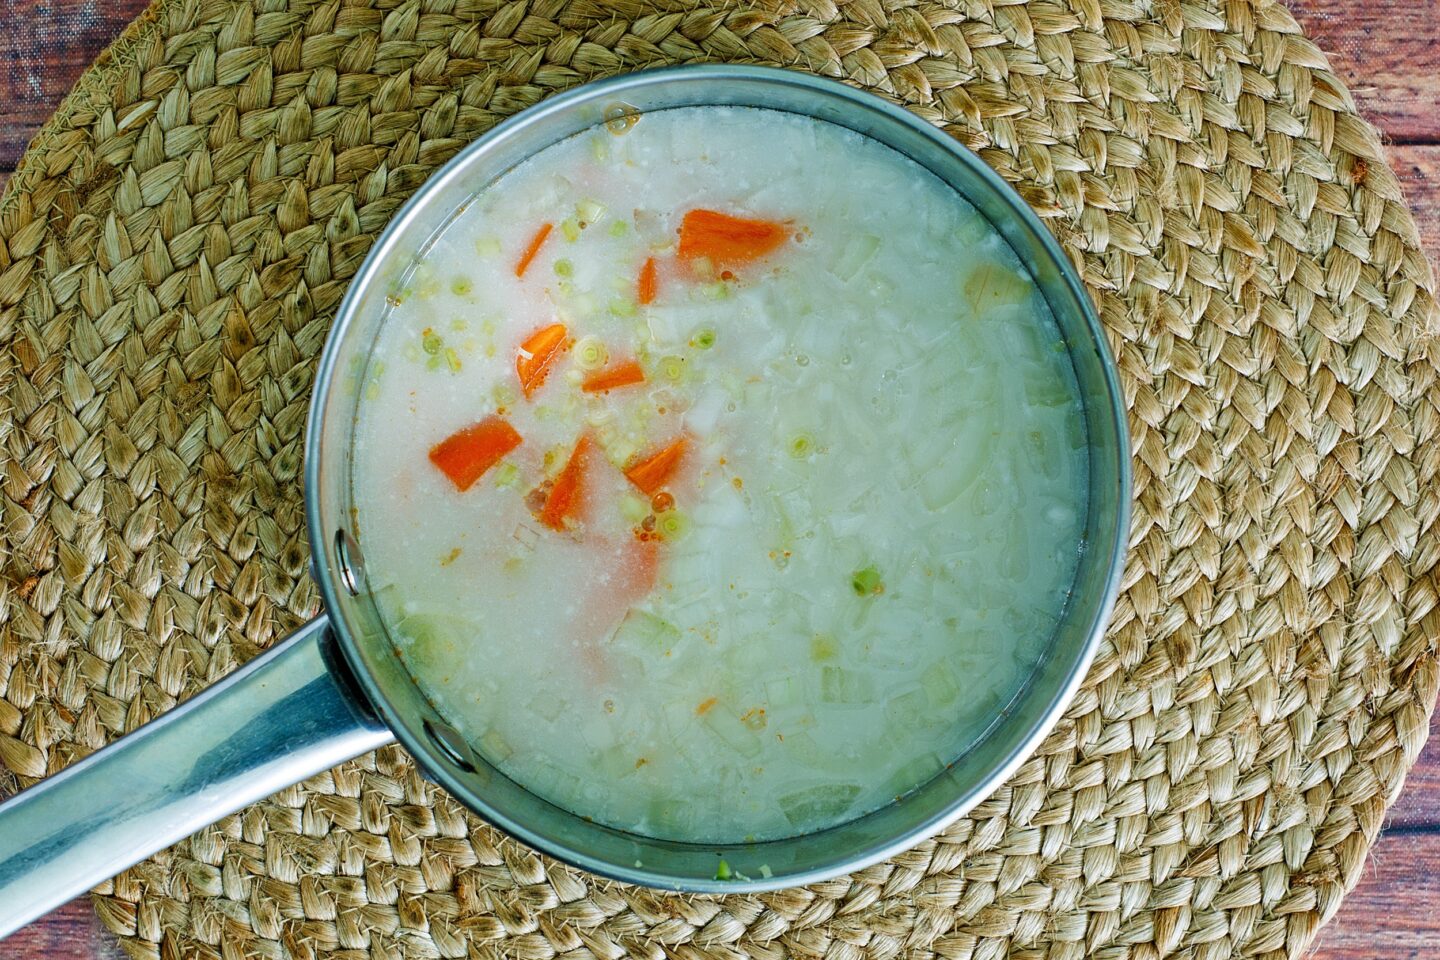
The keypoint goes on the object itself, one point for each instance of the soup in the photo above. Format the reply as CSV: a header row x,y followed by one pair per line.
x,y
720,474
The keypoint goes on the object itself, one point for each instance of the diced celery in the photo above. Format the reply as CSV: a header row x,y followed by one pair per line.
x,y
494,747
916,773
643,631
616,762
993,284
824,803
940,686
783,692
590,212
909,709
732,731
857,252
838,685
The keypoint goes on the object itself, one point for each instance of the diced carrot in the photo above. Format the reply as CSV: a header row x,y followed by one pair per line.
x,y
723,239
647,285
567,495
465,456
536,355
655,471
536,242
622,374
706,706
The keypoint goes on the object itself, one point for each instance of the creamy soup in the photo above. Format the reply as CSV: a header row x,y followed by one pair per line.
x,y
720,474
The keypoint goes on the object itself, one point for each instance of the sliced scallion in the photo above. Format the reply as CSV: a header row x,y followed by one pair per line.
x,y
591,353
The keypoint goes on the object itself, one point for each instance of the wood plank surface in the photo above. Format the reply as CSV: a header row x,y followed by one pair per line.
x,y
44,46
1386,51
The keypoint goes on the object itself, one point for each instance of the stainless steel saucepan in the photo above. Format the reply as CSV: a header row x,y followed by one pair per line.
x,y
337,689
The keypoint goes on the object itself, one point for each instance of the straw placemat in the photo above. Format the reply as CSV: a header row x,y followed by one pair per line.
x,y
177,239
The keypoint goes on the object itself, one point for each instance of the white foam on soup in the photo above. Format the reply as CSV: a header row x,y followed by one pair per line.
x,y
877,513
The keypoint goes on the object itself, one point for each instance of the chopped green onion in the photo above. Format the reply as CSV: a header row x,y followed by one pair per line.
x,y
722,870
431,342
564,268
508,475
570,229
433,363
460,286
487,246
802,445
719,290
866,582
452,359
704,340
765,871
372,391
599,149
672,368
590,353
619,228
589,211
672,524
623,308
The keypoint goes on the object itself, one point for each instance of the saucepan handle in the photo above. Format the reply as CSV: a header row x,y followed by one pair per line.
x,y
288,714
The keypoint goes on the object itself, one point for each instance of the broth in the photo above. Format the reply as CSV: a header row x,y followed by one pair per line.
x,y
722,479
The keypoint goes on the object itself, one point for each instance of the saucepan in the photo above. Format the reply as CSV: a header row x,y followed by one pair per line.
x,y
336,688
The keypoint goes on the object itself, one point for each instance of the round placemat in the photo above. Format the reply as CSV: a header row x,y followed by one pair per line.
x,y
178,237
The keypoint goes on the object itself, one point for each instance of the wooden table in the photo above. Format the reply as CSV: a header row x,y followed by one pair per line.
x,y
1388,51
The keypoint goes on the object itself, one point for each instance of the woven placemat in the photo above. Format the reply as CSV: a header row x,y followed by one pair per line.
x,y
177,239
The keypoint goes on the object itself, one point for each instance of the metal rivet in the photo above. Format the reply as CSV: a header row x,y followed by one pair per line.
x,y
348,561
450,743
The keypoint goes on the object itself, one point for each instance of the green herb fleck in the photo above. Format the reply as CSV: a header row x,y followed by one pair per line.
x,y
703,340
461,286
507,476
672,368
822,648
723,871
564,268
619,228
866,582
672,524
802,445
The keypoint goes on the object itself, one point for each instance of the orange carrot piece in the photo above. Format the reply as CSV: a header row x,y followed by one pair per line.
x,y
648,284
724,239
566,496
465,456
655,471
536,242
537,353
706,706
622,374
